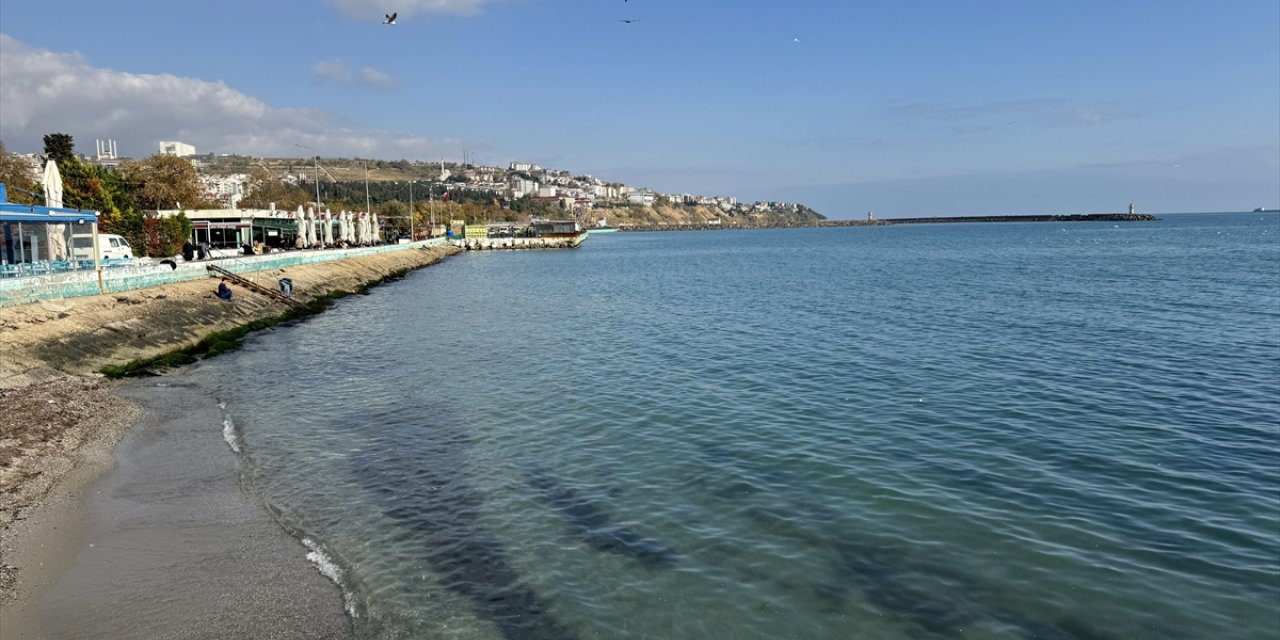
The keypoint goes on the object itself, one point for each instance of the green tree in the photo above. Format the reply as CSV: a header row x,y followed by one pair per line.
x,y
113,183
60,147
16,174
162,237
89,186
163,182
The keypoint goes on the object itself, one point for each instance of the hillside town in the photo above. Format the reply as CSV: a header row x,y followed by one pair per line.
x,y
227,181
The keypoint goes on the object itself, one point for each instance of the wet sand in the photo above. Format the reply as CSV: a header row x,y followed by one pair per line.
x,y
170,544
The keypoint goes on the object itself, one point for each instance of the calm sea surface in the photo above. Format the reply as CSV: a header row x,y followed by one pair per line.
x,y
1022,430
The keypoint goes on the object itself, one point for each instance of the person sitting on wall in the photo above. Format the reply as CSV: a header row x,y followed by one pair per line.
x,y
224,290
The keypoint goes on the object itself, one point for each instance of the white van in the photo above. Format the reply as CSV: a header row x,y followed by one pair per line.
x,y
110,247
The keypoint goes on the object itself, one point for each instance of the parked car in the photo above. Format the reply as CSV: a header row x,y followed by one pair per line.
x,y
110,247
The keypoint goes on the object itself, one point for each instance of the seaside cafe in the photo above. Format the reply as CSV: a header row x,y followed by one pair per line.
x,y
39,240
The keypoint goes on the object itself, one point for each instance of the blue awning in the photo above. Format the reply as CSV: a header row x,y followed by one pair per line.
x,y
14,212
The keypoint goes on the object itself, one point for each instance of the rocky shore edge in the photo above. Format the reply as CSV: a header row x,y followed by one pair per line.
x,y
61,417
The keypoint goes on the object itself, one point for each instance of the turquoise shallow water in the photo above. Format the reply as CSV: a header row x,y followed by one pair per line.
x,y
1025,430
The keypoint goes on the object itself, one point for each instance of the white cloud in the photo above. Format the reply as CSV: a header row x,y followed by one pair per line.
x,y
46,92
375,9
334,70
338,72
373,78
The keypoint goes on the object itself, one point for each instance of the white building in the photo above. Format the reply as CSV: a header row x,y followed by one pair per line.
x,y
608,192
175,148
520,187
228,190
643,198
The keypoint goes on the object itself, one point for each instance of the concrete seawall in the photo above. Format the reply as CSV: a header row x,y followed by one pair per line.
x,y
80,335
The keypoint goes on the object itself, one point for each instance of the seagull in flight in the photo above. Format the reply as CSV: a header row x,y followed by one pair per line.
x,y
391,18
630,21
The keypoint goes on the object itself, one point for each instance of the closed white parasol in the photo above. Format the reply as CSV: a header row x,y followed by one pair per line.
x,y
300,219
56,233
311,229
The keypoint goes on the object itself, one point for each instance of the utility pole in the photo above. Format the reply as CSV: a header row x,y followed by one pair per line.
x,y
367,207
412,235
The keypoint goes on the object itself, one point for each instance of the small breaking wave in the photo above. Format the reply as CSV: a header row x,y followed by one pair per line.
x,y
229,432
329,569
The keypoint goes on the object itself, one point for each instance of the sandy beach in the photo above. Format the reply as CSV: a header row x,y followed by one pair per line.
x,y
121,510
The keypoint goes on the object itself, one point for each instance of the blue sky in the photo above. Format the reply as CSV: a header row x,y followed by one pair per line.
x,y
912,107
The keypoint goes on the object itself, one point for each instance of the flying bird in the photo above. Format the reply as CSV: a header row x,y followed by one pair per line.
x,y
630,21
391,19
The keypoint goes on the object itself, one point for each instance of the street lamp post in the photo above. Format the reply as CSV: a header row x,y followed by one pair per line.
x,y
368,207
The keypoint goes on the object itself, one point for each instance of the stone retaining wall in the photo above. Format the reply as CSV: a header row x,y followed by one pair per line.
x,y
80,335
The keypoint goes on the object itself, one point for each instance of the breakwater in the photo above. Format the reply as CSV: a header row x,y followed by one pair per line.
x,y
1065,217
1074,217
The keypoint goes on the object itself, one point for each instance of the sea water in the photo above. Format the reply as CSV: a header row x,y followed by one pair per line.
x,y
999,430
